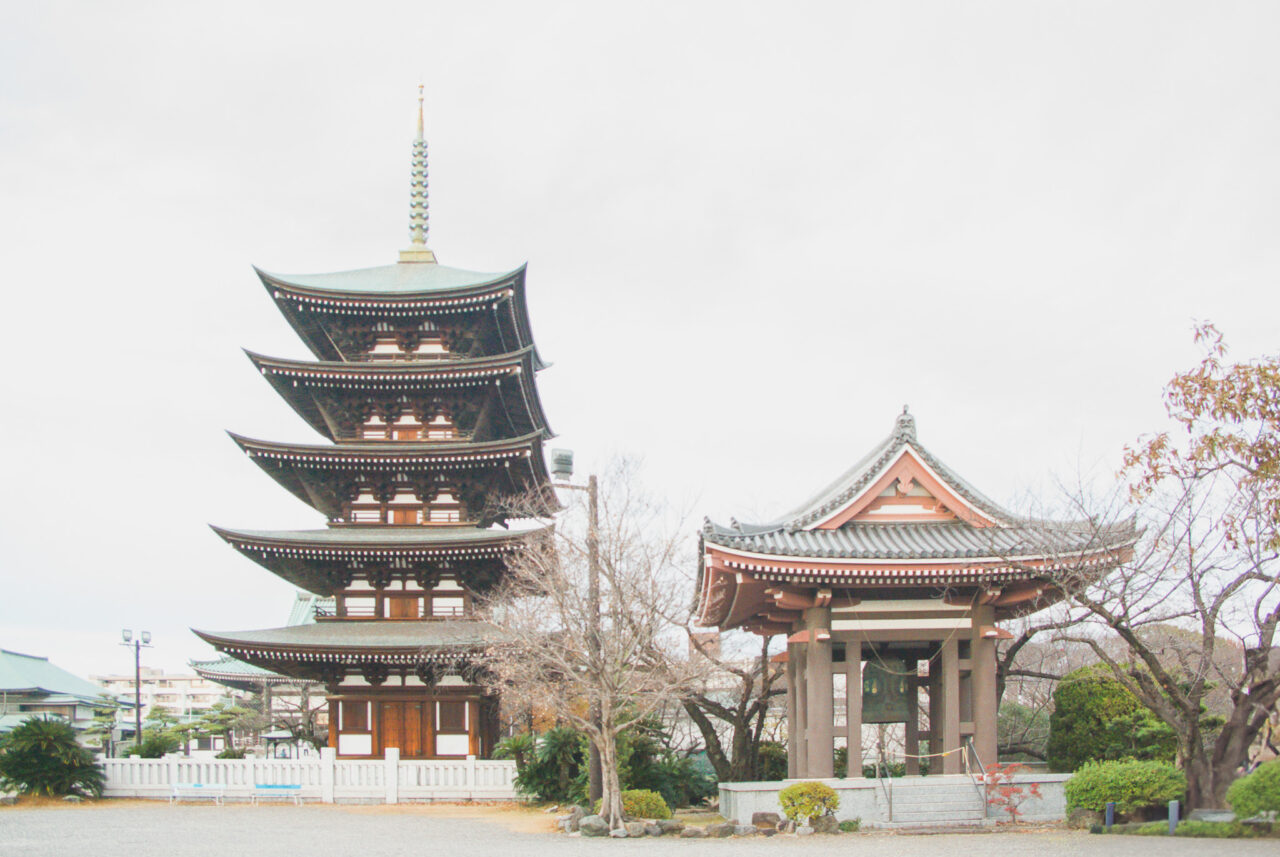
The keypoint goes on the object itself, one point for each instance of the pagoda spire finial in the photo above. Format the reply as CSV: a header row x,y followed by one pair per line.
x,y
419,215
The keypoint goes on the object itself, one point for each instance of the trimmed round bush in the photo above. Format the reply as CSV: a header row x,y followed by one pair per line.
x,y
803,802
1132,785
1256,792
641,803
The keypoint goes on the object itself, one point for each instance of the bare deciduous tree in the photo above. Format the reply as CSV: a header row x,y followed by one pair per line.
x,y
553,664
731,707
1197,603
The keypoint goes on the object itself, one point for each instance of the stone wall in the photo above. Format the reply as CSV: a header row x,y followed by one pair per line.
x,y
866,798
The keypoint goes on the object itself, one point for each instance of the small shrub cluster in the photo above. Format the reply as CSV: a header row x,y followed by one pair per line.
x,y
850,825
232,753
803,802
43,757
154,745
1257,792
641,803
552,767
1133,786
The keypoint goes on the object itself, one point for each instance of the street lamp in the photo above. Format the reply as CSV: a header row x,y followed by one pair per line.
x,y
143,641
562,471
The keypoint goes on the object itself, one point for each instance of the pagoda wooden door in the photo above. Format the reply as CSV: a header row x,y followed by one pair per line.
x,y
402,727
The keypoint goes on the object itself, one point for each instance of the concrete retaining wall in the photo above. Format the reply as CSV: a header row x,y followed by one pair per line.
x,y
865,799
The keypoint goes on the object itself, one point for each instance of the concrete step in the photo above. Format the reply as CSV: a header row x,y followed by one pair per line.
x,y
937,817
958,788
939,806
932,827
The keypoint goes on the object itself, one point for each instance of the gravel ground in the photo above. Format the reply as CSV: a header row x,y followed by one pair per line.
x,y
138,829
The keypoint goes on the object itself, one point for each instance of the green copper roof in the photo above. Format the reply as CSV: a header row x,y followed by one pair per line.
x,y
402,277
382,536
337,636
19,672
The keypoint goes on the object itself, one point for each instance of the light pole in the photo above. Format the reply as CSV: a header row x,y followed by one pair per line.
x,y
143,641
562,469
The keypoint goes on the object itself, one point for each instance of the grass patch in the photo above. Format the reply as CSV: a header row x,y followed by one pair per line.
x,y
1197,830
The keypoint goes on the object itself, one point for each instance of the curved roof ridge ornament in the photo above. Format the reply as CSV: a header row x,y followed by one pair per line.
x,y
419,198
905,428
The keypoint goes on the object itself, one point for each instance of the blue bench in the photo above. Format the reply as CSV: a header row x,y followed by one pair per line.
x,y
277,792
197,791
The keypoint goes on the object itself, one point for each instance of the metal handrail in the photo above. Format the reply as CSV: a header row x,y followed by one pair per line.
x,y
882,774
979,779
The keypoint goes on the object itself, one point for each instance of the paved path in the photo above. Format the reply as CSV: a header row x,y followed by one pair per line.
x,y
141,830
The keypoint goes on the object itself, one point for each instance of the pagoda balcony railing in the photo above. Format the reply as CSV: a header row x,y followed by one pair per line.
x,y
363,613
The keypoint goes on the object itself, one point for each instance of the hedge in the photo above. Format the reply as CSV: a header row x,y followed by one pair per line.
x,y
1132,785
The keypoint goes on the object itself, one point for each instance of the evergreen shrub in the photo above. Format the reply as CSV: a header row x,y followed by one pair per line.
x,y
1095,718
43,757
803,802
154,745
1133,785
1256,792
641,803
772,758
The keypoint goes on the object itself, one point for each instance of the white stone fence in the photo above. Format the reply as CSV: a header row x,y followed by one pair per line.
x,y
326,779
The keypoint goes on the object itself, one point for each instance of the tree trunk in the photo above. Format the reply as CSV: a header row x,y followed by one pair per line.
x,y
611,786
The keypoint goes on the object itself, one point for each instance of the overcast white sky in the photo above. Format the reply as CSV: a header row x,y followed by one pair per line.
x,y
754,232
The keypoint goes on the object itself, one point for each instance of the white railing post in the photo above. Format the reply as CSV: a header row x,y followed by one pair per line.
x,y
171,769
392,774
328,760
471,776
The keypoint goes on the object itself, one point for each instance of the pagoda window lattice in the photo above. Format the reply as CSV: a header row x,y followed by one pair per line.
x,y
444,509
409,427
423,342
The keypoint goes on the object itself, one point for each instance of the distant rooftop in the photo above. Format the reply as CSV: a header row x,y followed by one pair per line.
x,y
33,674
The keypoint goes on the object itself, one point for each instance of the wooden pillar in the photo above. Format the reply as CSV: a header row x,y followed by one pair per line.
x,y
912,738
820,705
793,713
802,711
984,700
853,706
951,763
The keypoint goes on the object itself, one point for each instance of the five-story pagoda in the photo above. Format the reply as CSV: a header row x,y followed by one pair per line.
x,y
424,384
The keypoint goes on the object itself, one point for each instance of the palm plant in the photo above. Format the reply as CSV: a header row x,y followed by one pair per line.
x,y
42,756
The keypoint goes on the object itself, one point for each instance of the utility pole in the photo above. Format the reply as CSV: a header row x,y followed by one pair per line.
x,y
595,775
562,468
144,639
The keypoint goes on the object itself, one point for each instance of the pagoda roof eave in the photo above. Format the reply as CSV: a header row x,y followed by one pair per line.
x,y
235,673
355,641
398,452
396,281
324,562
308,471
292,379
408,291
390,540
